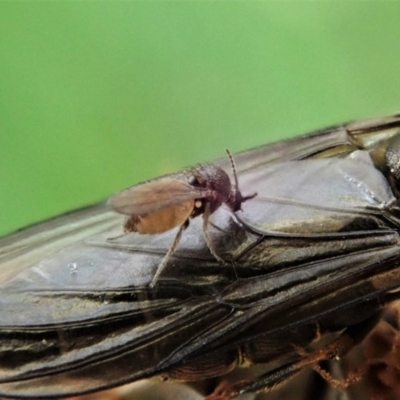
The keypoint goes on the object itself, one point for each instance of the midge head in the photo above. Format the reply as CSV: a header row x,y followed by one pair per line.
x,y
163,203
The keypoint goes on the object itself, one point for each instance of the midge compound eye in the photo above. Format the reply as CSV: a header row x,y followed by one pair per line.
x,y
170,201
316,257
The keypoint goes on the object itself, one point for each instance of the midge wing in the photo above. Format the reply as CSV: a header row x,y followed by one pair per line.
x,y
155,195
77,315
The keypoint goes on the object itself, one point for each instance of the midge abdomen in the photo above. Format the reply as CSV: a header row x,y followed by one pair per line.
x,y
310,263
161,220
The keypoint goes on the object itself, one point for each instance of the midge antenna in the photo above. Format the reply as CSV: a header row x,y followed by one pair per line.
x,y
233,165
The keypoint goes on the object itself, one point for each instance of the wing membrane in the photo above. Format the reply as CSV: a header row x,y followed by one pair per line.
x,y
154,195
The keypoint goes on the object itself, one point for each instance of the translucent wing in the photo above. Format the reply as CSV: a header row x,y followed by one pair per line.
x,y
155,194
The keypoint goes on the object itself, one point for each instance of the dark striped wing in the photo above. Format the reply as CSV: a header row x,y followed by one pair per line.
x,y
318,243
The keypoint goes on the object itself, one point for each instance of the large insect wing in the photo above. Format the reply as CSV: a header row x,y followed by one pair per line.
x,y
117,326
154,195
270,312
115,321
303,196
79,314
77,310
26,248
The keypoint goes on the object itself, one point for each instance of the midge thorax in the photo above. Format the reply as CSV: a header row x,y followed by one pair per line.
x,y
163,203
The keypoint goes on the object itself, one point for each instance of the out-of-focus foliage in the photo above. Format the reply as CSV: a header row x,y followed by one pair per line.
x,y
95,96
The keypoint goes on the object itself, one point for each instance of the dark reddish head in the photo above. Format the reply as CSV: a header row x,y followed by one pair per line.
x,y
215,180
217,183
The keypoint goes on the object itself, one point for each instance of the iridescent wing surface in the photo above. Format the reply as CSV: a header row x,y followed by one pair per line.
x,y
317,248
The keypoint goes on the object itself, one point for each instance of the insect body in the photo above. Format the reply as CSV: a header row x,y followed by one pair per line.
x,y
316,257
164,203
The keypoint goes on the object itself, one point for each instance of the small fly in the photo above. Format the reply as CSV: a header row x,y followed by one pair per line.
x,y
164,203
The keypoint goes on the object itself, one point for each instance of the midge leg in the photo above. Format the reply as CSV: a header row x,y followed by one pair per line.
x,y
271,380
207,237
170,251
167,256
178,236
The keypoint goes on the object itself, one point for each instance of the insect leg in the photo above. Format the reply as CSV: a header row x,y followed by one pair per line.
x,y
335,350
218,228
169,253
111,239
279,376
207,236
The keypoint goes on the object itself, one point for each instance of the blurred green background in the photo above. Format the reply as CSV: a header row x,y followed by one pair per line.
x,y
95,96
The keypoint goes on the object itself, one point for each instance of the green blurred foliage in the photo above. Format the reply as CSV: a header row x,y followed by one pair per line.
x,y
95,96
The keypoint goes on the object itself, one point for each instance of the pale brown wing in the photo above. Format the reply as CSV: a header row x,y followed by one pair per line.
x,y
154,195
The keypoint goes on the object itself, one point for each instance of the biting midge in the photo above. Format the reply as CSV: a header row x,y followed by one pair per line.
x,y
163,203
